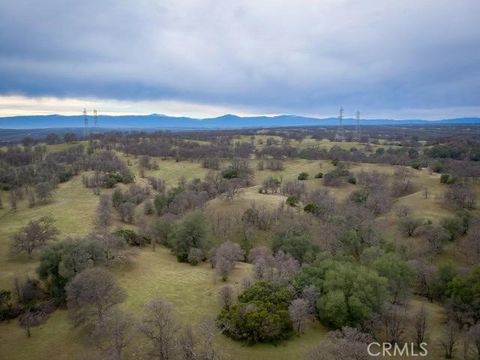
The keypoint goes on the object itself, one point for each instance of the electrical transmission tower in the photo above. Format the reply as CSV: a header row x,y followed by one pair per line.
x,y
85,123
95,119
341,131
358,125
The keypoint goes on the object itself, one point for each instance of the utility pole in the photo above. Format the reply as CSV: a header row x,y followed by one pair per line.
x,y
85,123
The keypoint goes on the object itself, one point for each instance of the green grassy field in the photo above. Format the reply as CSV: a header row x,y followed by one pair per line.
x,y
192,290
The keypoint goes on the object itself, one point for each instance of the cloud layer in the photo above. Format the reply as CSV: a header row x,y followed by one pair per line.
x,y
264,56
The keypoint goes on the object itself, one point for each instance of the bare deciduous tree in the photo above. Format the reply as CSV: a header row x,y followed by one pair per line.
x,y
113,335
299,315
30,319
34,235
225,257
160,328
450,338
344,344
394,320
226,296
91,294
104,212
420,326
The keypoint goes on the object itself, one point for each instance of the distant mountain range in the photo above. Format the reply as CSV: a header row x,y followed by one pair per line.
x,y
155,121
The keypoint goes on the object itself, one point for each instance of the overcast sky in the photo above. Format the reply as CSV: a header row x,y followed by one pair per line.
x,y
386,58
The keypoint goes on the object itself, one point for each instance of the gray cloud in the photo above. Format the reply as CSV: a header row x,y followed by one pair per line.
x,y
268,55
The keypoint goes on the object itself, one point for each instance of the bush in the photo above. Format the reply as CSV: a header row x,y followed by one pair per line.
x,y
292,201
311,208
352,180
230,173
261,314
131,237
319,175
303,176
195,256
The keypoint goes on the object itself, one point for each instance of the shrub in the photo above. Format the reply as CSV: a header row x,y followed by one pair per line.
x,y
303,176
319,175
131,237
292,201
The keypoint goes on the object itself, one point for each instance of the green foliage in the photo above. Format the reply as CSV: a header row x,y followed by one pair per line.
x,y
192,233
444,178
359,196
455,226
351,293
118,198
464,292
261,314
352,180
296,245
62,261
131,237
311,208
303,176
319,175
408,224
230,173
444,275
160,202
292,201
398,273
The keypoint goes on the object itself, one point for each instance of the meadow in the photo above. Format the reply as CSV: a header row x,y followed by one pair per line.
x,y
192,290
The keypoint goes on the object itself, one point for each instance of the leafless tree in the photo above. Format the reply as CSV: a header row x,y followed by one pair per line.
x,y
425,192
450,338
226,296
344,344
104,212
473,336
159,326
425,273
460,196
472,241
402,184
31,318
208,331
44,191
91,294
13,199
299,314
310,294
225,257
34,235
113,335
31,198
420,326
127,212
187,344
394,318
